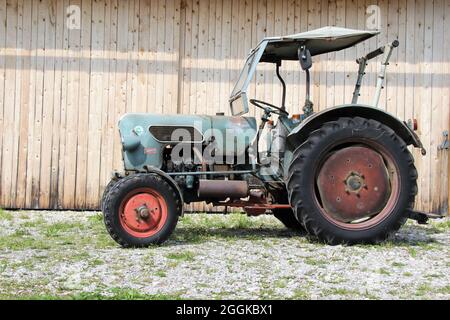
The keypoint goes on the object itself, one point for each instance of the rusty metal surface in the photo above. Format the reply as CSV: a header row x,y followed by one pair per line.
x,y
222,189
353,184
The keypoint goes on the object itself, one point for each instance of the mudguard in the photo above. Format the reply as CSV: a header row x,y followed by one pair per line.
x,y
301,132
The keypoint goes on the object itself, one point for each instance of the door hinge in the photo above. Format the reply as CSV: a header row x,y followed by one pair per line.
x,y
444,144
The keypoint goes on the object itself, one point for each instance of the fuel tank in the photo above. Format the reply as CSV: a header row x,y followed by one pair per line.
x,y
144,135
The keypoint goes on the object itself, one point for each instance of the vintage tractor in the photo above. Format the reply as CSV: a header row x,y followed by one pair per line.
x,y
344,175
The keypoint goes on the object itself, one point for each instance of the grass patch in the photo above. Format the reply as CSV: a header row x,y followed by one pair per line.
x,y
5,215
181,256
442,225
113,294
341,292
398,264
161,273
424,289
383,271
56,229
315,262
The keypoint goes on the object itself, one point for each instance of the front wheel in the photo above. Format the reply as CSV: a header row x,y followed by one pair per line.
x,y
141,210
352,181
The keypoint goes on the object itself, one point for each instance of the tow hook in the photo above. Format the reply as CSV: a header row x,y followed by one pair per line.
x,y
422,217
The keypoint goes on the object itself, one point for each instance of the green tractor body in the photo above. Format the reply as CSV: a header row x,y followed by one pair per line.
x,y
343,175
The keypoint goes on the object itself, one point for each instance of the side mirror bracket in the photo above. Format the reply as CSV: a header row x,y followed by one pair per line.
x,y
304,57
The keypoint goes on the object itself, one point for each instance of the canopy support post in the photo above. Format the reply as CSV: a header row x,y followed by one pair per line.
x,y
283,83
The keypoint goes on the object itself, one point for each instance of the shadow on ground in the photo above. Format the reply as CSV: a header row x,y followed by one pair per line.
x,y
410,235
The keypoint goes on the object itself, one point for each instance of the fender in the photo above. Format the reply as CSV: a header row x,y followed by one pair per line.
x,y
300,133
170,181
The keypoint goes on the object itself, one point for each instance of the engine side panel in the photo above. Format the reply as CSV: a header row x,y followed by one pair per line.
x,y
144,136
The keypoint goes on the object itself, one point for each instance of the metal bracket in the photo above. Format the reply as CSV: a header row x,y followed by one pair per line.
x,y
444,145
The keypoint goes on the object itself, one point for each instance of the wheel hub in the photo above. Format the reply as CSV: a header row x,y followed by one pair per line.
x,y
353,184
143,214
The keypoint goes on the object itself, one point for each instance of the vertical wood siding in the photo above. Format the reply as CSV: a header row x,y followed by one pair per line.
x,y
62,91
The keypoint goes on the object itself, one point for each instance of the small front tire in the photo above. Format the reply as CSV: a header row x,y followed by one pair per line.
x,y
141,210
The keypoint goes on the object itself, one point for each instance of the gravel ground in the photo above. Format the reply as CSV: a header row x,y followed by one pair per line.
x,y
49,255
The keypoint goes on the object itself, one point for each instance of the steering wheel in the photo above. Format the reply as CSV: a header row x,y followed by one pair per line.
x,y
268,107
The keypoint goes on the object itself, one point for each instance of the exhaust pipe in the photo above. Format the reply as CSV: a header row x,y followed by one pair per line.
x,y
222,189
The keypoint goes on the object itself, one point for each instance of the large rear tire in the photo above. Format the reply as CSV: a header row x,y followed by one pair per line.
x,y
141,210
352,181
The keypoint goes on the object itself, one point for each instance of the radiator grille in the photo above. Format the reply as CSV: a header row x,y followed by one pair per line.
x,y
183,133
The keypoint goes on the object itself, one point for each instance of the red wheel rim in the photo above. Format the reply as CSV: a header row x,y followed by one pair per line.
x,y
357,186
143,212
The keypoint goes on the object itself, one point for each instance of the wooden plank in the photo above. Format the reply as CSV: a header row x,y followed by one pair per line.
x,y
436,107
2,84
445,180
391,76
32,105
226,55
83,106
96,102
361,50
400,64
331,64
39,111
187,57
350,54
151,85
24,105
17,102
73,85
133,55
121,77
314,16
216,18
203,31
419,36
426,107
109,124
339,67
292,67
9,102
409,60
210,64
48,96
143,55
58,103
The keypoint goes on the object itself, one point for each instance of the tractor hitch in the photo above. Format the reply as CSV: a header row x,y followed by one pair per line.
x,y
422,217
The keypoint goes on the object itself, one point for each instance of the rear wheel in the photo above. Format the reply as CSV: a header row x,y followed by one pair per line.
x,y
141,210
352,181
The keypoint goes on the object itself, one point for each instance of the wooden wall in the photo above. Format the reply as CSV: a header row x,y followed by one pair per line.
x,y
62,91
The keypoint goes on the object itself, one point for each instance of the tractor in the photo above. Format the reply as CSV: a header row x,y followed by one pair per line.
x,y
344,175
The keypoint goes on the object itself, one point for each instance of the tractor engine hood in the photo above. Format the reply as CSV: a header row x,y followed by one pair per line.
x,y
144,136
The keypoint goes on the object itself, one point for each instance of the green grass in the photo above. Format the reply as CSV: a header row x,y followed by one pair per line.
x,y
181,256
383,271
4,215
398,264
113,294
315,261
441,225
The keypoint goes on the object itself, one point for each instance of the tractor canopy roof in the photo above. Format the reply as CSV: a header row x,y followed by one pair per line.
x,y
277,49
318,41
